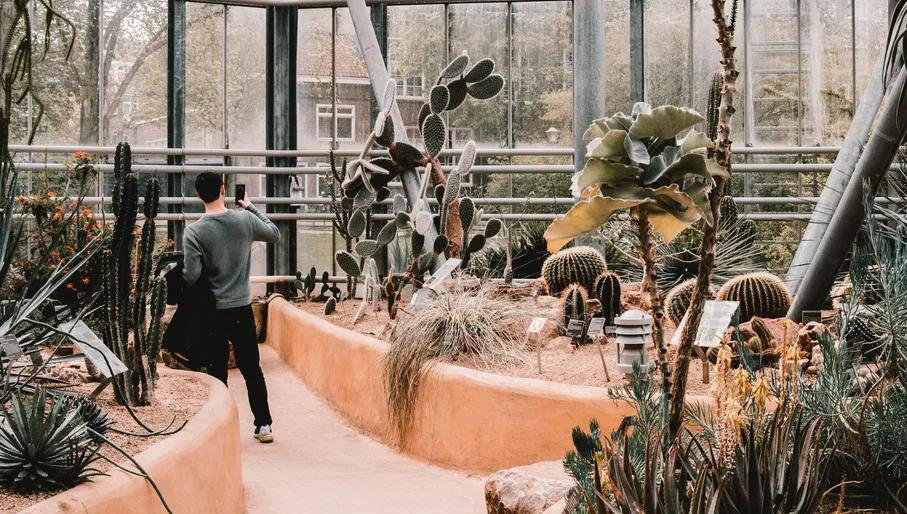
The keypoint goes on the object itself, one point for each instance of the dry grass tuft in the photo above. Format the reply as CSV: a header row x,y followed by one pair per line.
x,y
461,320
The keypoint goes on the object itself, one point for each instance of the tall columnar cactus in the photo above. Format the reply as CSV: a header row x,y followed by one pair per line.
x,y
573,305
579,265
126,300
713,106
727,213
607,291
678,300
760,294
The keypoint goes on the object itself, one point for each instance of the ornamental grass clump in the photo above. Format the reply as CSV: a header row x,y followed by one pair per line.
x,y
457,322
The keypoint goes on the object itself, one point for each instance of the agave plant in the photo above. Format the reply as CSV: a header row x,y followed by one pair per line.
x,y
44,450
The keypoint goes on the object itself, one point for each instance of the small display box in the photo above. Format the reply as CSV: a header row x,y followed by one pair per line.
x,y
634,335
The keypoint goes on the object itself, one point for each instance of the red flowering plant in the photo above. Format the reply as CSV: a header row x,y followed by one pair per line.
x,y
60,226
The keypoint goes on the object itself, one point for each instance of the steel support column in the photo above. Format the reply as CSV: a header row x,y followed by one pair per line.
x,y
588,70
176,107
838,179
877,156
280,116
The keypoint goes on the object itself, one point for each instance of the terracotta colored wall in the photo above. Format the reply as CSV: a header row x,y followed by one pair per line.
x,y
199,469
466,419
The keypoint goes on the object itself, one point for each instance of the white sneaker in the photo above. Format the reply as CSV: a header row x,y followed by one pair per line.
x,y
264,434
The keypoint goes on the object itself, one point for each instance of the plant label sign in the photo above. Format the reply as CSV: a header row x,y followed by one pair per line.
x,y
575,327
596,327
536,326
10,346
716,317
94,348
443,273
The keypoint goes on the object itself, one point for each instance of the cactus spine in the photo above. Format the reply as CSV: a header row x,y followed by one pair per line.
x,y
607,291
760,294
580,265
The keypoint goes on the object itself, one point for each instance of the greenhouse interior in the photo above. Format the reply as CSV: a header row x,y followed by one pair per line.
x,y
463,256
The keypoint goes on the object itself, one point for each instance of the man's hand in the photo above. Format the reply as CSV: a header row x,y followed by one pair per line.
x,y
244,203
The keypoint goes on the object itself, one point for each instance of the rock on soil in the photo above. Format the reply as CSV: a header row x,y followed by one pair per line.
x,y
526,489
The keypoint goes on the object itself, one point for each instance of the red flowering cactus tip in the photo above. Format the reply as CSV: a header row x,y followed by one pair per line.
x,y
85,281
21,200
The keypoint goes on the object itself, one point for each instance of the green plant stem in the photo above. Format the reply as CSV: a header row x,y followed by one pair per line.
x,y
656,303
709,236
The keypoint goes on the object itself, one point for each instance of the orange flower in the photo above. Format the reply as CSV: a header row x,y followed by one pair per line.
x,y
73,204
69,285
85,281
20,200
51,194
80,155
57,216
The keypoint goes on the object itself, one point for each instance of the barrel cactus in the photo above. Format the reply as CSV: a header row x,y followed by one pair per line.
x,y
573,304
579,265
607,291
760,294
678,300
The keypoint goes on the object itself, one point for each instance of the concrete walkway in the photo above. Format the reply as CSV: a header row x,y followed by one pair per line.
x,y
318,464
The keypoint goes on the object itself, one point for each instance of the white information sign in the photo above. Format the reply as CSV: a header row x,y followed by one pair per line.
x,y
575,327
94,348
596,327
716,317
536,326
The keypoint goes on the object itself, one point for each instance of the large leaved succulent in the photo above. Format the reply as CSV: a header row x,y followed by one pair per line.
x,y
646,159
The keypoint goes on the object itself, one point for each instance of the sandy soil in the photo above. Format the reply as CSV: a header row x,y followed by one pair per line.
x,y
177,396
560,362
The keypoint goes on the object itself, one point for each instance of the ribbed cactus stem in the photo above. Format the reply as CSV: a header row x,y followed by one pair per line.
x,y
607,291
760,294
573,303
580,265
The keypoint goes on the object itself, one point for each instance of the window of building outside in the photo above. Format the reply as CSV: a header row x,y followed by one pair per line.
x,y
346,122
410,87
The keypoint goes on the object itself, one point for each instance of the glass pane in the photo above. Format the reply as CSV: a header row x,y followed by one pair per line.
x,y
67,90
353,86
871,31
414,56
706,62
617,56
246,77
667,38
542,73
774,72
481,31
313,76
135,72
204,75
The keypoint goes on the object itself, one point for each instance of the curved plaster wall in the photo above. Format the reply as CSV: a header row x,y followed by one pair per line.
x,y
465,419
198,469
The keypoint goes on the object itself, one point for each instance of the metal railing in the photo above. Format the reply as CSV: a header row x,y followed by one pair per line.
x,y
25,155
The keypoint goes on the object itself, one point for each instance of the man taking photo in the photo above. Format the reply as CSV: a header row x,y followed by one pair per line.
x,y
220,245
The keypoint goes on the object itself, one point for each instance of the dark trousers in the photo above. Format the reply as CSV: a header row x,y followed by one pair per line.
x,y
237,326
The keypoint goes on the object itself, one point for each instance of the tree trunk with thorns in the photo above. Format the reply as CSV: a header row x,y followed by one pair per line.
x,y
707,249
656,303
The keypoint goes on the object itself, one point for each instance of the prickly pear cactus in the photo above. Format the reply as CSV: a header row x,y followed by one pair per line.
x,y
760,294
579,265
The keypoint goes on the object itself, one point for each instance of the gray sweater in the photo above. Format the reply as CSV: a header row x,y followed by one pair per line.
x,y
221,245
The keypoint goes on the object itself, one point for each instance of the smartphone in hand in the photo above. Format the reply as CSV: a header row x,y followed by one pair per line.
x,y
239,193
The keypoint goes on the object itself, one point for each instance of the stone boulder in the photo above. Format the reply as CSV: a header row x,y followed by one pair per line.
x,y
529,489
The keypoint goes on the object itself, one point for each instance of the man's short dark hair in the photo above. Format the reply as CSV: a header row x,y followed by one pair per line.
x,y
207,185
